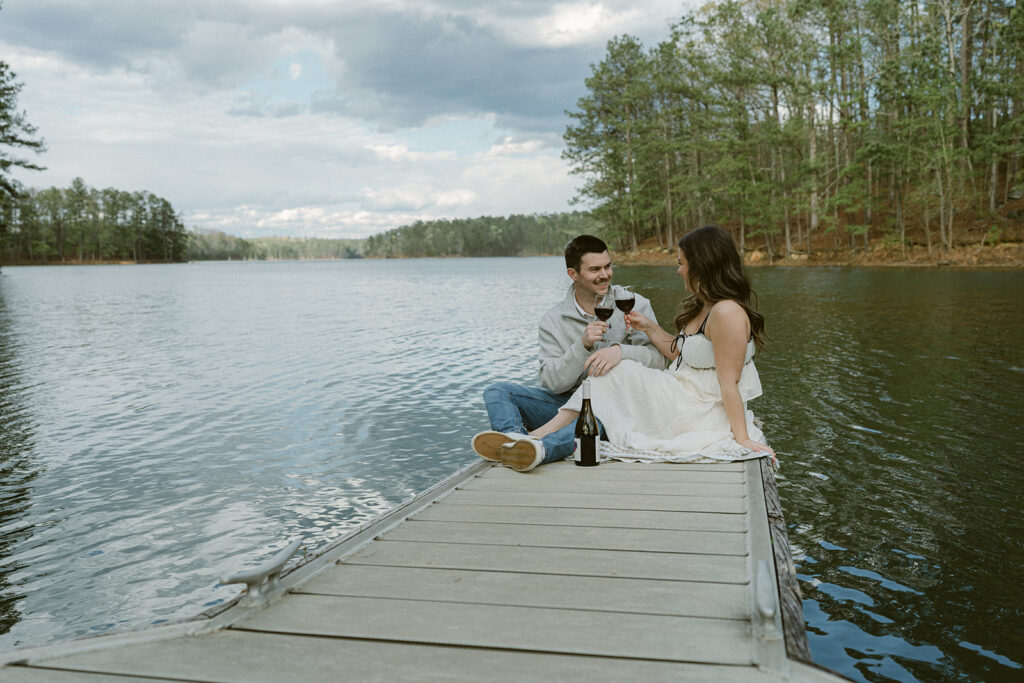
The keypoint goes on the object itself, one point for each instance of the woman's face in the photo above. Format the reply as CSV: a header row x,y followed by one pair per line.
x,y
684,269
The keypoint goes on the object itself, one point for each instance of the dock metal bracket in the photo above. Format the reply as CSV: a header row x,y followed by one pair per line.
x,y
262,583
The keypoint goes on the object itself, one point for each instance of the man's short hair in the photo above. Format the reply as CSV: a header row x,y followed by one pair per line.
x,y
583,244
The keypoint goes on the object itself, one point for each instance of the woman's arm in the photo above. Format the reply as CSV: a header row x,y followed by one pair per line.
x,y
729,330
661,339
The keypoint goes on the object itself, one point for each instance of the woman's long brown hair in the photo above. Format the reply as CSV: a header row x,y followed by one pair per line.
x,y
716,274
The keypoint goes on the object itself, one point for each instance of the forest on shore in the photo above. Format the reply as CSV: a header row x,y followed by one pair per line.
x,y
215,245
81,224
809,125
516,235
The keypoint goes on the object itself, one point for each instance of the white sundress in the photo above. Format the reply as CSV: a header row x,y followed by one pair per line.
x,y
672,415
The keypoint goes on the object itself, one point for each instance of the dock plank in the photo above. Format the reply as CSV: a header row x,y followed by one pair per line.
x,y
676,468
606,486
618,473
601,501
273,658
634,564
26,674
624,519
646,596
519,628
654,540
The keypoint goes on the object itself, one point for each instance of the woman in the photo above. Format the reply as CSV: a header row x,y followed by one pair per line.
x,y
695,411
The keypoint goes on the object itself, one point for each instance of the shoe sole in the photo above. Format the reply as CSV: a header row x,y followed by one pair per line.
x,y
518,455
488,445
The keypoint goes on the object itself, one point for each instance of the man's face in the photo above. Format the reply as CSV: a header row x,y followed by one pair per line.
x,y
595,274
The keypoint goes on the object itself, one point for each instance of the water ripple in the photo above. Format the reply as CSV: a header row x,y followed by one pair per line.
x,y
165,425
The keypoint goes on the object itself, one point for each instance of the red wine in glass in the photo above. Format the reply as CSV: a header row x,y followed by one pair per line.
x,y
625,299
604,306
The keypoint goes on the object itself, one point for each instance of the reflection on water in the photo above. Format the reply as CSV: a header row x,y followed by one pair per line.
x,y
164,425
16,467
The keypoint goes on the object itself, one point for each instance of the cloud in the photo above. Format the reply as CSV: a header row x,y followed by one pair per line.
x,y
329,222
392,152
314,116
429,66
397,64
509,147
569,24
105,34
416,197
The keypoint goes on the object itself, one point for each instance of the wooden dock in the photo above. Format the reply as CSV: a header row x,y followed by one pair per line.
x,y
615,573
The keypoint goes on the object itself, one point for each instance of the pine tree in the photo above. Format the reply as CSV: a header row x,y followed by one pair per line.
x,y
16,134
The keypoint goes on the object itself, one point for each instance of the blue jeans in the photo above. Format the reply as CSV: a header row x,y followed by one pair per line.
x,y
514,408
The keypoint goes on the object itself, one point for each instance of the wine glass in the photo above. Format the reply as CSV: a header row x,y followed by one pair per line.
x,y
625,299
604,306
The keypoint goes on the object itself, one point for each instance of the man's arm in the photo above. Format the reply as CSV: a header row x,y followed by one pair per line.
x,y
641,348
561,354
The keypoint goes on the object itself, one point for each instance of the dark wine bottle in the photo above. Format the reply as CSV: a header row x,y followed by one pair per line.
x,y
587,435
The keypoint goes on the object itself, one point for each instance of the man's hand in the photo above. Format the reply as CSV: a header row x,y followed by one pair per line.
x,y
604,360
593,333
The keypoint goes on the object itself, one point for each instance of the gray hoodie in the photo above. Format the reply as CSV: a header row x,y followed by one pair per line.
x,y
561,345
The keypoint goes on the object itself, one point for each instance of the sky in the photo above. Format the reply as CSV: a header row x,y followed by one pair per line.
x,y
315,118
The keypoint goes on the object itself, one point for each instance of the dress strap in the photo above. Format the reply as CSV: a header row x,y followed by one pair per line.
x,y
701,330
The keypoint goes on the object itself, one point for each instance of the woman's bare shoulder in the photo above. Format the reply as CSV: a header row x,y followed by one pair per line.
x,y
728,315
727,308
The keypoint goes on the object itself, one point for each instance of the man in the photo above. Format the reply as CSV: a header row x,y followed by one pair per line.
x,y
573,345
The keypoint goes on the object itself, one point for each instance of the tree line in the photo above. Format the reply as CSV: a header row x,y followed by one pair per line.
x,y
82,224
516,235
214,245
793,120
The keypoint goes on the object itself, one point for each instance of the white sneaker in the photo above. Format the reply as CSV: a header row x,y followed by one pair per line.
x,y
522,453
488,444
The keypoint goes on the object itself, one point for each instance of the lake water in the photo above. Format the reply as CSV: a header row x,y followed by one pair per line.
x,y
163,425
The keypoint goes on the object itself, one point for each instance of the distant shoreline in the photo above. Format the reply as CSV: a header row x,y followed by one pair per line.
x,y
1007,255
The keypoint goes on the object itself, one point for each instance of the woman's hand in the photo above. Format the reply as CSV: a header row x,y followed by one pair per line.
x,y
759,447
756,446
639,321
